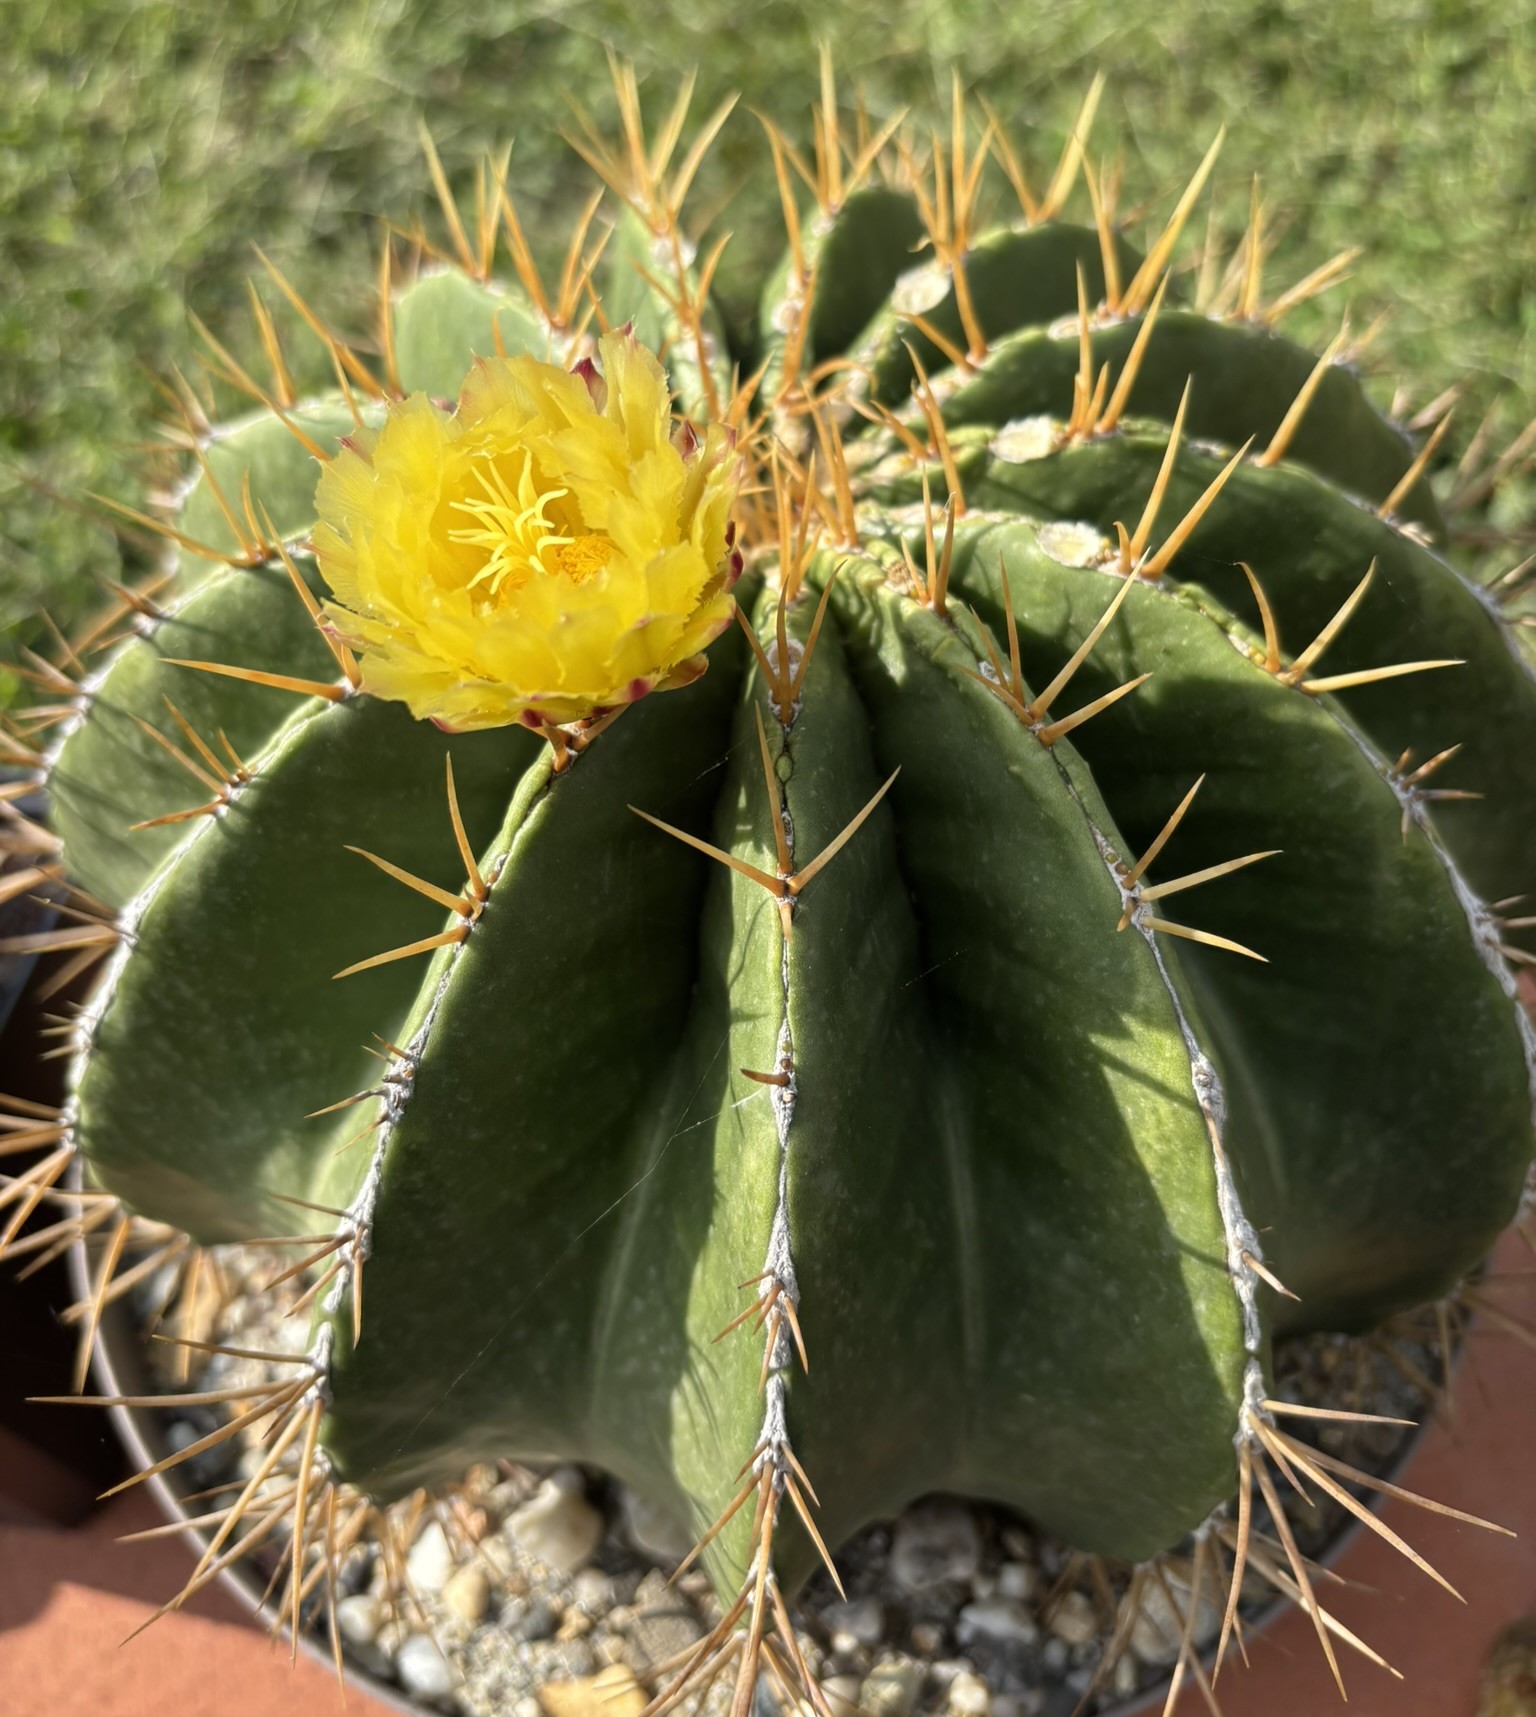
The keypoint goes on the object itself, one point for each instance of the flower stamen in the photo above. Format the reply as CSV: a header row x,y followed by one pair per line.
x,y
512,529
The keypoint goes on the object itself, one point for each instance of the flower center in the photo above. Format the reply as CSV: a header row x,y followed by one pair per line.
x,y
516,537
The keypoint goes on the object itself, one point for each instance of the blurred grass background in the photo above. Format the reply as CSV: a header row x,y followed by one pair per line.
x,y
146,144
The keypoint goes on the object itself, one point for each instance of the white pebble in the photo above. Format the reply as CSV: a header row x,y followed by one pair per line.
x,y
933,1544
863,1619
357,1618
969,1696
468,1593
1017,1580
429,1566
998,1621
891,1687
592,1591
423,1669
1074,1620
1159,1631
842,1693
558,1526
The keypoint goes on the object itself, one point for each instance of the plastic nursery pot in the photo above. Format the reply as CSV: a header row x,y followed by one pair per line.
x,y
1475,1457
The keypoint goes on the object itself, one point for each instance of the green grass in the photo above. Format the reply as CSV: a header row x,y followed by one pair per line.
x,y
146,144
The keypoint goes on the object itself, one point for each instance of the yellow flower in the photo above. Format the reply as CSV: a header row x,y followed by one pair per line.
x,y
548,550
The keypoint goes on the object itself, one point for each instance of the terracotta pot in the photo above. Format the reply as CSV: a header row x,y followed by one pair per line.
x,y
1481,1458
118,1368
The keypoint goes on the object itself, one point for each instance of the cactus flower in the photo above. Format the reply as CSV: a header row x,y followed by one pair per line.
x,y
548,550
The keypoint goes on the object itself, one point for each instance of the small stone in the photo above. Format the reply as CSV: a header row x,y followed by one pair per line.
x,y
927,1639
1018,1580
1126,1678
842,1693
612,1692
574,1624
561,1660
528,1619
592,1592
502,1498
468,1593
891,1687
969,1696
430,1564
528,1706
498,1558
1055,1657
473,1522
932,1544
995,1621
423,1669
652,1530
358,1618
557,1526
662,1629
862,1619
1158,1635
1073,1620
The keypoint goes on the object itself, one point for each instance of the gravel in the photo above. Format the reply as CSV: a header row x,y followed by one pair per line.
x,y
543,1592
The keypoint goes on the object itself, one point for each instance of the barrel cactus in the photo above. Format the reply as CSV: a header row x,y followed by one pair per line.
x,y
811,1070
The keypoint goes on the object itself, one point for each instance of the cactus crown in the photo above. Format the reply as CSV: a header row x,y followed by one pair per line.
x,y
819,1072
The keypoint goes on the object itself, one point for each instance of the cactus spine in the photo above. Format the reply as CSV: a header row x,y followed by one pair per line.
x,y
868,1109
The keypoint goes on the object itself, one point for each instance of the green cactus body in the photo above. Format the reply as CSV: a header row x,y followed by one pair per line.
x,y
1019,1156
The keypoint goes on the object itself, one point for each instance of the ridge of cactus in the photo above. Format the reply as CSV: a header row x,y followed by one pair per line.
x,y
1065,942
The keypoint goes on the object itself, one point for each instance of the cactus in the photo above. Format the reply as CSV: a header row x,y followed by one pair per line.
x,y
796,1074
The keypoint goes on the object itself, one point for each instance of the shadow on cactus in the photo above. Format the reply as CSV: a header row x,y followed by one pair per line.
x,y
819,1070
